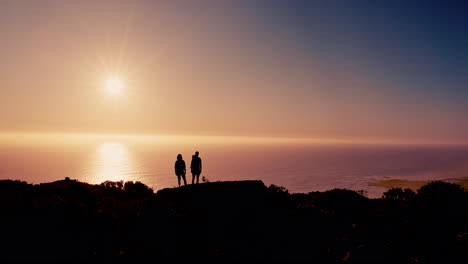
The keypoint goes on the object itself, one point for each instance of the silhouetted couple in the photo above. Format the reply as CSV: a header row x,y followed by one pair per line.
x,y
195,166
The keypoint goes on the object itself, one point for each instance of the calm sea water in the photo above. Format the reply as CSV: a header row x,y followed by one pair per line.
x,y
299,168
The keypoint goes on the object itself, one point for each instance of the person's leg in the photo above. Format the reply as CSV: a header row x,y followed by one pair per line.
x,y
185,181
193,178
198,176
178,179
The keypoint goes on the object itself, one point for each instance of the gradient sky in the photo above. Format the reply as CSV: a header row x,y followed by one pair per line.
x,y
311,69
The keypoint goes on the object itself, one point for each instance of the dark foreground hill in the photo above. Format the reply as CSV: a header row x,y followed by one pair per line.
x,y
239,221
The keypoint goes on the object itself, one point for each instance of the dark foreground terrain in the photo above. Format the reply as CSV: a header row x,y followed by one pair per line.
x,y
241,221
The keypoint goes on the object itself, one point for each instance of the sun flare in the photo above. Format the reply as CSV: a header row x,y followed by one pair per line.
x,y
114,85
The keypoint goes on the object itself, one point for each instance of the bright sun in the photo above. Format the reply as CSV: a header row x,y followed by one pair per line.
x,y
114,85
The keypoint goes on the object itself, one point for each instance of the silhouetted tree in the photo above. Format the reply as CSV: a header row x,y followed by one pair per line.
x,y
137,188
278,189
14,185
398,194
440,192
112,186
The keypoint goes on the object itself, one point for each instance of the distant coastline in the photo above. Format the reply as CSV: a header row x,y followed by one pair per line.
x,y
416,184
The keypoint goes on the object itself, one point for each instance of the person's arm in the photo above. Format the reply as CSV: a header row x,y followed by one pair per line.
x,y
175,168
183,163
200,166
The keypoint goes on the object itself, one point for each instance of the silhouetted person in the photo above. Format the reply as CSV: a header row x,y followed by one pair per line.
x,y
196,167
179,168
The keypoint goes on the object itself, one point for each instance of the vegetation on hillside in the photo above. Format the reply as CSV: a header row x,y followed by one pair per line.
x,y
244,220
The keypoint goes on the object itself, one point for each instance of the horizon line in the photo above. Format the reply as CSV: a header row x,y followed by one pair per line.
x,y
185,138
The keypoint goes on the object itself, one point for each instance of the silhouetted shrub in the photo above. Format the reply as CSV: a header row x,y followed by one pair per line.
x,y
362,192
340,199
440,192
277,189
398,194
204,179
137,188
112,186
12,193
278,195
14,185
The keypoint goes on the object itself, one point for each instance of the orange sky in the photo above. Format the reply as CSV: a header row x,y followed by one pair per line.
x,y
192,71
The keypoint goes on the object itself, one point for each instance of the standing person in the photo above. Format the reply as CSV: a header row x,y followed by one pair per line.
x,y
179,168
196,167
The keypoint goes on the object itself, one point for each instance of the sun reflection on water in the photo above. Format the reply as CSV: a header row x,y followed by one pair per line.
x,y
113,162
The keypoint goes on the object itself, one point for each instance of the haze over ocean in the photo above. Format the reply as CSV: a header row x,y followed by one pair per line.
x,y
298,167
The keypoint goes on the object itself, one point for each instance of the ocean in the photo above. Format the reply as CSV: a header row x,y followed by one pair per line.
x,y
301,168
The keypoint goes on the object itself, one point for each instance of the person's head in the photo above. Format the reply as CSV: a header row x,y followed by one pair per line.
x,y
196,153
179,157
